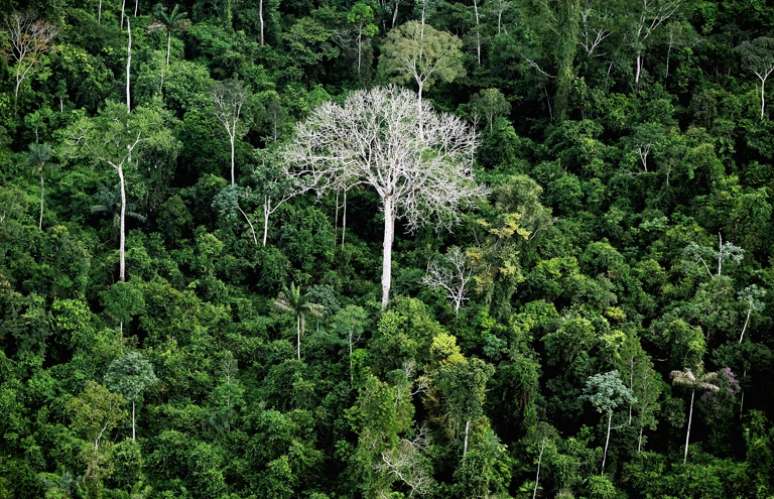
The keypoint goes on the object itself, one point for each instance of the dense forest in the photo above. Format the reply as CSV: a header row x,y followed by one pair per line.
x,y
386,248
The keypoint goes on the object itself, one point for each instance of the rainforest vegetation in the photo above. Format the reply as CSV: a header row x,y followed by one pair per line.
x,y
386,249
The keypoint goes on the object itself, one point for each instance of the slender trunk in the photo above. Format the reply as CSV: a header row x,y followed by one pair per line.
x,y
688,432
336,214
420,87
266,212
123,9
607,438
249,223
763,98
638,71
467,434
99,12
478,32
231,143
389,230
134,432
298,336
166,62
499,21
537,475
128,65
122,226
359,49
631,386
19,80
260,19
61,104
136,5
746,322
351,376
639,442
344,220
395,13
720,253
42,201
669,52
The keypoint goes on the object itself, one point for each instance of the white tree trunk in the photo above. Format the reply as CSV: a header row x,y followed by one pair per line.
x,y
266,212
128,65
134,433
746,322
344,220
763,98
537,475
478,32
638,70
42,202
359,49
99,12
166,62
123,9
298,336
688,432
639,441
136,6
467,434
231,140
607,438
351,376
122,226
389,234
260,18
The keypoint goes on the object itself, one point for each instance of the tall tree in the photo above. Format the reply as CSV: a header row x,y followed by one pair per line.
x,y
758,56
650,15
451,272
229,98
170,22
374,139
119,139
606,392
39,157
131,375
30,38
361,18
752,297
702,381
292,300
418,52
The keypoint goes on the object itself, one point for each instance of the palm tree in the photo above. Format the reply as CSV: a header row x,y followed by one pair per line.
x,y
109,203
292,300
171,22
700,381
38,158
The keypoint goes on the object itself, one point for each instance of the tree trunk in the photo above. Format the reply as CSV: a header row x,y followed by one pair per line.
x,y
266,207
420,87
351,376
746,322
166,62
478,32
359,49
99,12
344,220
763,98
134,432
638,70
123,9
389,233
467,434
669,52
298,336
631,386
395,13
122,226
540,460
607,438
136,6
569,16
231,140
688,432
128,65
639,441
260,19
42,201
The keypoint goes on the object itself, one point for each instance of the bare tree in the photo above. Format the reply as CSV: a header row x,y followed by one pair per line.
x,y
653,14
451,273
726,251
406,463
702,381
30,39
374,139
229,98
594,29
758,56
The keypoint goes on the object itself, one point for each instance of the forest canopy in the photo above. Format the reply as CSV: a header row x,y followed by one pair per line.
x,y
386,249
